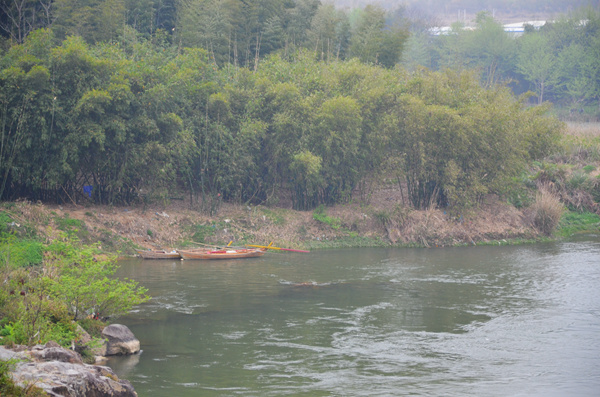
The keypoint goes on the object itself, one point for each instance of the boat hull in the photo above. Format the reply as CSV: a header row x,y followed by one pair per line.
x,y
221,254
158,254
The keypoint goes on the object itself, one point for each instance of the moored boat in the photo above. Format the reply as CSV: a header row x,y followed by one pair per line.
x,y
158,254
226,253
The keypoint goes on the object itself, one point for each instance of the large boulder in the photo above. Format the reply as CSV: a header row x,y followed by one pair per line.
x,y
120,340
57,372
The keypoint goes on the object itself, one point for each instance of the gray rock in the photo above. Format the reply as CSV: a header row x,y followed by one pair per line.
x,y
64,378
52,351
120,340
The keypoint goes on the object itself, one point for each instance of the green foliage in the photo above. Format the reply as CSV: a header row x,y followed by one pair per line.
x,y
373,42
589,168
140,119
84,285
320,216
7,386
578,222
92,326
67,224
578,180
519,196
536,61
456,141
15,253
550,173
74,228
13,334
202,232
38,305
5,221
61,330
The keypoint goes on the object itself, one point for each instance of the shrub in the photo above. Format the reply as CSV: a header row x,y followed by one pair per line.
x,y
320,216
84,283
383,217
547,211
578,180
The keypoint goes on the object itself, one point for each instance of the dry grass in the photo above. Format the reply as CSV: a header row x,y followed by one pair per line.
x,y
583,130
547,211
385,218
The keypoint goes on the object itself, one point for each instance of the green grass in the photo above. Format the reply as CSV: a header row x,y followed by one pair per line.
x,y
73,227
201,232
589,168
353,241
5,220
67,224
15,253
575,222
320,216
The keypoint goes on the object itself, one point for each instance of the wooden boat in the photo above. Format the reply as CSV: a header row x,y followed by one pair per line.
x,y
225,253
158,254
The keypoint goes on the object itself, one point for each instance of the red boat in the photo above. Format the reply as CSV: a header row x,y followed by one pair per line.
x,y
226,253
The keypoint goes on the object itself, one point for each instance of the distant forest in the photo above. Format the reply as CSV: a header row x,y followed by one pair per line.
x,y
270,101
436,7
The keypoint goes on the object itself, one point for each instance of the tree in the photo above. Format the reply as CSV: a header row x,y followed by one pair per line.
x,y
20,17
299,19
336,138
323,34
306,180
374,42
489,48
576,70
205,24
417,53
537,62
94,20
25,111
140,14
457,141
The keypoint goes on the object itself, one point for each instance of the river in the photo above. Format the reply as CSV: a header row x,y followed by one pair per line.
x,y
476,321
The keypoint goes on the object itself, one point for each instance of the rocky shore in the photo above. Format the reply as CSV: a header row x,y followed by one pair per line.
x,y
57,371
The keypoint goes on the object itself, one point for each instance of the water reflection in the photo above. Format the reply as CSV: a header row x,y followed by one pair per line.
x,y
477,321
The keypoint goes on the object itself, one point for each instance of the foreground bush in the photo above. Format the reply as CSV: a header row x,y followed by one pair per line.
x,y
38,304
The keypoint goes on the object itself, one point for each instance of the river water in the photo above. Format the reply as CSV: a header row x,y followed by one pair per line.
x,y
476,321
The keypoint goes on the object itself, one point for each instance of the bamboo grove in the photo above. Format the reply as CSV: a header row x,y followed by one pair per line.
x,y
117,123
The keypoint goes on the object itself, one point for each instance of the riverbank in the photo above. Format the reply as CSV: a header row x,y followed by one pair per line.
x,y
382,222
